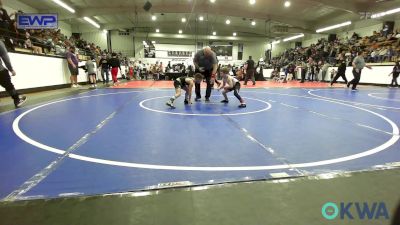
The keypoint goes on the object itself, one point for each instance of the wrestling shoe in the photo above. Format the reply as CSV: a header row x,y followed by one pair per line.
x,y
243,105
170,104
20,101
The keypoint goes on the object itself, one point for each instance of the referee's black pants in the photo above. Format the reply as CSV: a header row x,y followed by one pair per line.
x,y
356,80
207,76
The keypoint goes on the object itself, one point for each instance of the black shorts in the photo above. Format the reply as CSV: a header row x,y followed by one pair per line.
x,y
178,84
72,70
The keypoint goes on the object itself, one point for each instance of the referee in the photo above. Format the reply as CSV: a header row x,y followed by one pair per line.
x,y
5,79
358,66
206,63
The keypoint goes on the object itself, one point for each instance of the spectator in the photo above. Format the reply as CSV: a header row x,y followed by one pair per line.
x,y
115,64
324,70
395,73
17,36
5,23
250,69
169,67
73,66
91,72
104,69
374,56
385,30
382,54
355,36
29,45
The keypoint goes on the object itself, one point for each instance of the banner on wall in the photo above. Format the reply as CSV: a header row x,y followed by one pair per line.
x,y
179,54
37,21
224,58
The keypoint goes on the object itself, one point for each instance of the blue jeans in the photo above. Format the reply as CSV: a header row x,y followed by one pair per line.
x,y
107,76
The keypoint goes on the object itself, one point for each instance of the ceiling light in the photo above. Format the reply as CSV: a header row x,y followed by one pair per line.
x,y
91,22
157,30
212,1
65,6
333,27
252,2
294,37
228,22
183,20
153,18
392,11
214,33
180,31
234,34
253,23
153,42
201,18
287,4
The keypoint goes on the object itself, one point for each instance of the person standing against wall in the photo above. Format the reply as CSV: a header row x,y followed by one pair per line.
x,y
206,63
311,69
250,71
5,79
303,67
358,66
115,64
104,68
73,67
395,73
324,70
91,72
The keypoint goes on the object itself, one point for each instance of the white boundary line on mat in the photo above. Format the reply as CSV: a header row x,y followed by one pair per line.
x,y
395,137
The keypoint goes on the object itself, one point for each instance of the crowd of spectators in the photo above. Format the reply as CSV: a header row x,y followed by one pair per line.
x,y
380,47
48,41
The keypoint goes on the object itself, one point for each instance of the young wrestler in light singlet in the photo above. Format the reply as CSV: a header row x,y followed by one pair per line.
x,y
230,83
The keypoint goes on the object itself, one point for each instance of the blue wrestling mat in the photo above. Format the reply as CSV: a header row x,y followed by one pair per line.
x,y
108,141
